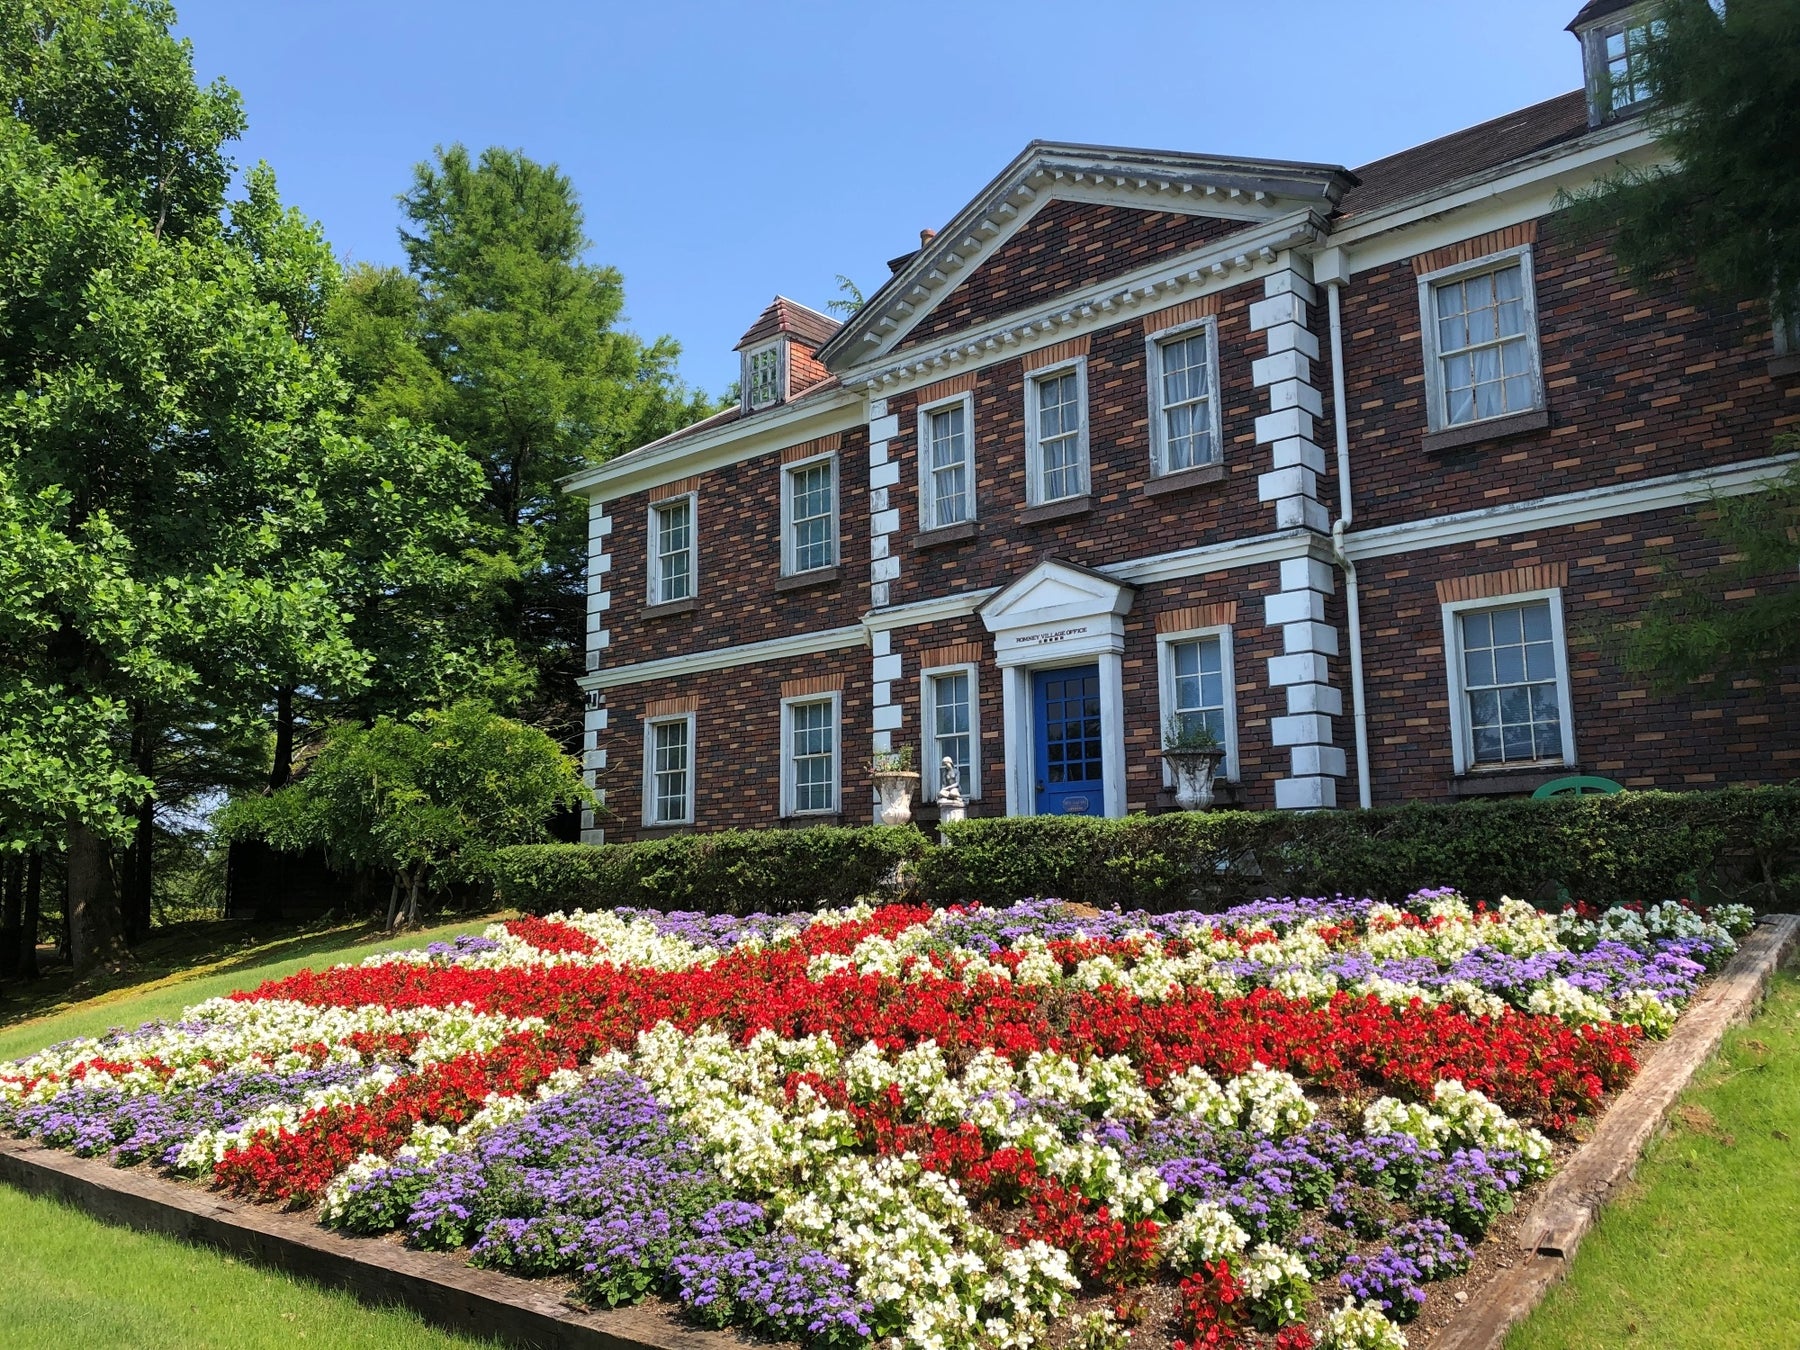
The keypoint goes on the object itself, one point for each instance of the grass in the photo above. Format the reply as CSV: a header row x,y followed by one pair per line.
x,y
1704,1248
71,1280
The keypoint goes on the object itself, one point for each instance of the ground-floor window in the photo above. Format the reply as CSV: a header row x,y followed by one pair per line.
x,y
669,771
810,756
1509,692
1197,693
949,722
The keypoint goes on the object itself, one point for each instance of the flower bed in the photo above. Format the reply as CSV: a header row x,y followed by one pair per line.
x,y
1277,1126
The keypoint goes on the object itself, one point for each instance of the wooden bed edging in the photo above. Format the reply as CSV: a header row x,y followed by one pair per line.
x,y
1574,1197
439,1286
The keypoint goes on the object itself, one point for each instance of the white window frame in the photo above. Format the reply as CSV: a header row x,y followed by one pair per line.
x,y
653,562
1786,335
1153,363
927,493
1599,74
928,758
1165,691
649,793
1461,735
1034,460
779,348
788,568
1436,413
788,786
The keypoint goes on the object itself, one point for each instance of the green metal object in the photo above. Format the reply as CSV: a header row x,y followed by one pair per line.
x,y
1576,785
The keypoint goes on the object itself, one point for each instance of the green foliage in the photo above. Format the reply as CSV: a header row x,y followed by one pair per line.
x,y
730,872
432,798
1726,85
1743,843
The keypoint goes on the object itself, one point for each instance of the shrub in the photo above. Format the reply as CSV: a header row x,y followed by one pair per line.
x,y
730,872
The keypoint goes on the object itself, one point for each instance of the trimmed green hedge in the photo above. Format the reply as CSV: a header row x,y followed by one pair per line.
x,y
728,872
1740,844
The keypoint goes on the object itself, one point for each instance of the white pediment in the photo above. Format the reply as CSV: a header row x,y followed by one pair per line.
x,y
1052,593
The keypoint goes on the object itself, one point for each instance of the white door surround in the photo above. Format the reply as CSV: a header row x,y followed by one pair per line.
x,y
1059,614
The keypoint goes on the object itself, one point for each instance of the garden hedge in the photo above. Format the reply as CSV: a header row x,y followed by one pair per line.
x,y
1741,844
728,872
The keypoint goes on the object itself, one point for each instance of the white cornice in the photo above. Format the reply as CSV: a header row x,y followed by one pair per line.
x,y
759,434
957,605
1568,508
1221,557
722,658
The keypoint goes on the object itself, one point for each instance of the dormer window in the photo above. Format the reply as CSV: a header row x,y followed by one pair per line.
x,y
763,376
1614,47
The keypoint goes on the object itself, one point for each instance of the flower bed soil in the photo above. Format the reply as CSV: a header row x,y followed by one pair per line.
x,y
1011,1127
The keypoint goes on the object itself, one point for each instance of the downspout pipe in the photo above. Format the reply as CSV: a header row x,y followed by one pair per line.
x,y
1335,276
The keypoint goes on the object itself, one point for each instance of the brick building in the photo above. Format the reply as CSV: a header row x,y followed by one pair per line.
x,y
1347,465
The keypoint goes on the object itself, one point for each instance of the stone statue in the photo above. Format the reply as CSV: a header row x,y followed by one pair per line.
x,y
951,807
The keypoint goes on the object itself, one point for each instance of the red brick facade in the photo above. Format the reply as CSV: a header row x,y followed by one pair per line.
x,y
1584,500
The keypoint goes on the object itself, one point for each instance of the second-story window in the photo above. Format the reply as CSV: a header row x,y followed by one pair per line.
x,y
1481,341
1056,427
809,504
762,377
672,551
946,483
1184,376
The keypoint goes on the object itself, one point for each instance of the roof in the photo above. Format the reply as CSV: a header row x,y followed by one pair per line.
x,y
793,318
735,413
1597,9
1462,153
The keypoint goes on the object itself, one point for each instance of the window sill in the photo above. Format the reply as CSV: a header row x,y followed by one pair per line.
x,y
1785,365
1490,429
1509,782
1058,510
1183,479
669,607
801,820
665,831
799,581
959,533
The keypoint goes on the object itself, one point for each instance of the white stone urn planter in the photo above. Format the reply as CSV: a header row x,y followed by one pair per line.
x,y
896,787
1194,772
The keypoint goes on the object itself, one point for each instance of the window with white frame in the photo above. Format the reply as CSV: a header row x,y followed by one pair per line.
x,y
1509,682
1480,329
1617,61
669,770
809,733
1185,415
1787,329
672,550
1197,690
762,376
809,515
1056,433
949,720
946,464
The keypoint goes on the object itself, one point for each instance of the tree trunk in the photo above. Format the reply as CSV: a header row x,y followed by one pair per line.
x,y
32,910
393,902
412,902
141,857
96,938
12,912
283,767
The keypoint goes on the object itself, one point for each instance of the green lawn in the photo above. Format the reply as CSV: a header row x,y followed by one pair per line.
x,y
1704,1249
72,1281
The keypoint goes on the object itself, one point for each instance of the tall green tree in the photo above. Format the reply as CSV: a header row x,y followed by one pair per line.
x,y
1721,216
501,336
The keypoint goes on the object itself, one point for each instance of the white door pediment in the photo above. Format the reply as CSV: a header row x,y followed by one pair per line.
x,y
1057,609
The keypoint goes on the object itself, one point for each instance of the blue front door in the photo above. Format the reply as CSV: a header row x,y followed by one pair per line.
x,y
1066,704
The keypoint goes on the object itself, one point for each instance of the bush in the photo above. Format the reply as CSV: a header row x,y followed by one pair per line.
x,y
1740,844
730,872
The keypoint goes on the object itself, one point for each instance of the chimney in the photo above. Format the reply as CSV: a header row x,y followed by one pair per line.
x,y
926,236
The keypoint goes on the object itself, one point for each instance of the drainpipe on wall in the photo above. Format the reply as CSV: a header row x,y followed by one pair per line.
x,y
1332,268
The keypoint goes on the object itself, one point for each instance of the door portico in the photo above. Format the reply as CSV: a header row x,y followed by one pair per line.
x,y
1057,616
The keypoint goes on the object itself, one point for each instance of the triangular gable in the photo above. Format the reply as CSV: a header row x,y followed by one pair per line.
x,y
1054,592
1234,193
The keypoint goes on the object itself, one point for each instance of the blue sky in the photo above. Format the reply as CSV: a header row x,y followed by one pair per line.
x,y
729,151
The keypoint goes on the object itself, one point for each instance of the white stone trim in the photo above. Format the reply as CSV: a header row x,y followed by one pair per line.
x,y
723,658
1461,746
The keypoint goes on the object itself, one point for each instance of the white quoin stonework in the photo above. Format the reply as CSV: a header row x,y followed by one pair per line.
x,y
884,571
1308,642
599,600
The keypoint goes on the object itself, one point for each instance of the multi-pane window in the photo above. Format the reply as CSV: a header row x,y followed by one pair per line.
x,y
812,517
670,785
812,755
950,716
948,499
1510,684
1485,349
1056,420
764,377
1624,67
672,558
1186,393
1197,685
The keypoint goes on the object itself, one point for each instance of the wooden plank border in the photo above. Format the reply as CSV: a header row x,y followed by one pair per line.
x,y
1573,1198
440,1286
